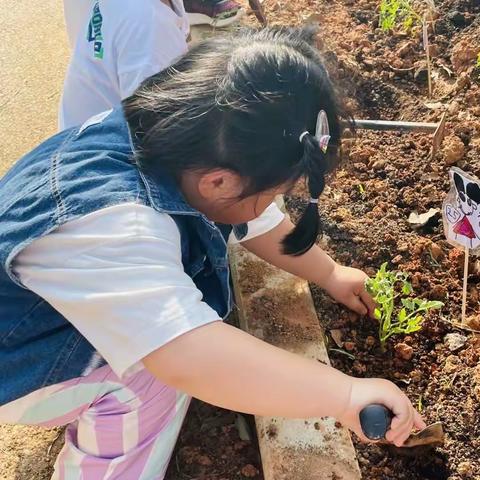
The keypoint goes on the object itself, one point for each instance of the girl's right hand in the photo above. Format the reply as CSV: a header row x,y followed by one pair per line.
x,y
367,391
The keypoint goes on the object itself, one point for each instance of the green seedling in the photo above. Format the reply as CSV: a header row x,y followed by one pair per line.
x,y
398,12
361,189
478,61
420,403
397,312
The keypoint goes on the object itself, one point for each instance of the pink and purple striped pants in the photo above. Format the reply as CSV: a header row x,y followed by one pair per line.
x,y
117,429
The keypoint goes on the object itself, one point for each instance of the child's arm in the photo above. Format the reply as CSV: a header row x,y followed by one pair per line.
x,y
344,284
229,368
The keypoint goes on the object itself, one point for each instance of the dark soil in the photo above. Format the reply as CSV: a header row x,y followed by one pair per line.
x,y
210,448
365,208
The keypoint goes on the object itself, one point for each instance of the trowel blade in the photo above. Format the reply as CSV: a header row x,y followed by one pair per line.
x,y
432,435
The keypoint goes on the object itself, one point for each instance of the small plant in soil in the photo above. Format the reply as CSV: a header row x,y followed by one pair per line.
x,y
397,12
397,311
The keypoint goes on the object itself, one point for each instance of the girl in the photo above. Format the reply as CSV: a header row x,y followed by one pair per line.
x,y
115,273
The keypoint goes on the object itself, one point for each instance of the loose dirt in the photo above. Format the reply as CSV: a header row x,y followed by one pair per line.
x,y
365,210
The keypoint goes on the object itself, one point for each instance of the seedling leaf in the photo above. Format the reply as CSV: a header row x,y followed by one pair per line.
x,y
397,317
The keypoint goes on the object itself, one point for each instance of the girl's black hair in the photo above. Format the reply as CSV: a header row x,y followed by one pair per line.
x,y
241,103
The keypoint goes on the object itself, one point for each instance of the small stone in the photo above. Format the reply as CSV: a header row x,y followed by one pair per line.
x,y
436,250
370,341
453,108
421,74
379,165
397,259
416,376
457,18
453,149
359,368
249,471
416,279
463,81
452,364
463,54
464,468
364,154
433,50
473,322
398,63
476,375
341,214
337,335
203,460
439,292
455,341
404,351
405,49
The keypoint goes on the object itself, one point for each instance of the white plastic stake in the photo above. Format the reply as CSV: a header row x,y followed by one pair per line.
x,y
465,279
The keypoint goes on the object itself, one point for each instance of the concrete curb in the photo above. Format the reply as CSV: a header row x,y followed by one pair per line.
x,y
278,308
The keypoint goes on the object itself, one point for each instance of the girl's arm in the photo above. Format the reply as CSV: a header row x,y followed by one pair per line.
x,y
344,284
229,368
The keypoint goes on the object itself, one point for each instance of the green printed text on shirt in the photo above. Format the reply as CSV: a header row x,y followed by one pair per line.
x,y
95,31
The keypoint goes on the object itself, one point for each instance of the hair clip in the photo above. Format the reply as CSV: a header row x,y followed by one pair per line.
x,y
313,200
302,135
322,131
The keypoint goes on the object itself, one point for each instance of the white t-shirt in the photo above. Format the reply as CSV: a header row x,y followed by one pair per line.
x,y
116,44
117,276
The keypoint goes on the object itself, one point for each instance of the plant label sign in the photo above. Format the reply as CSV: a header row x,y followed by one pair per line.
x,y
461,210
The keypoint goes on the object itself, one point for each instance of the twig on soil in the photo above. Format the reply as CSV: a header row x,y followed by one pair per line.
x,y
458,325
400,70
49,450
426,46
259,12
343,352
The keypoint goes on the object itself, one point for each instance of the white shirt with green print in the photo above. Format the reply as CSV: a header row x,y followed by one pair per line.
x,y
116,44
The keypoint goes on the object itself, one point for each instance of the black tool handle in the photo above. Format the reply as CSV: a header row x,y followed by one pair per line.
x,y
375,420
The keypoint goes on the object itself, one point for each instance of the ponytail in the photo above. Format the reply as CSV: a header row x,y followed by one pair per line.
x,y
303,236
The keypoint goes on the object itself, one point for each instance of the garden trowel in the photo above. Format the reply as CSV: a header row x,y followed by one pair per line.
x,y
375,421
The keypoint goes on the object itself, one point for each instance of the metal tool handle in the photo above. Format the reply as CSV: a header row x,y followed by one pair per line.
x,y
375,420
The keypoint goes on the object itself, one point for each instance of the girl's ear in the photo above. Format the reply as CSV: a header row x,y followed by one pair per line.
x,y
220,184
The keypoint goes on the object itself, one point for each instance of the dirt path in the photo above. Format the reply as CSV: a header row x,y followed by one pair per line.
x,y
33,56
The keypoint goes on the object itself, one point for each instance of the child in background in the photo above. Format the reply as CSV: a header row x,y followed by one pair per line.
x,y
116,44
217,13
115,277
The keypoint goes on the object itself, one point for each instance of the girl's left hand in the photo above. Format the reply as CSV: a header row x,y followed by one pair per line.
x,y
347,285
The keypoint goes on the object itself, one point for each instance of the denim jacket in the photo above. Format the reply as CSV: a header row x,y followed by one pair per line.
x,y
74,173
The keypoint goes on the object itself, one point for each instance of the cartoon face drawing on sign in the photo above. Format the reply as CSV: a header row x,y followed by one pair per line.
x,y
461,210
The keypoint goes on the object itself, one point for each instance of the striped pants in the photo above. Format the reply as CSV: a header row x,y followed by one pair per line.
x,y
117,430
